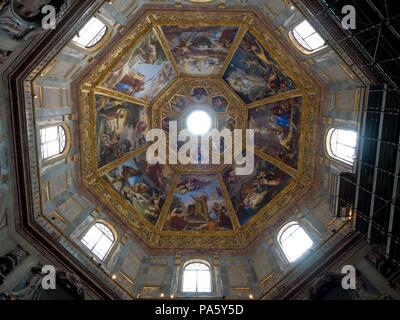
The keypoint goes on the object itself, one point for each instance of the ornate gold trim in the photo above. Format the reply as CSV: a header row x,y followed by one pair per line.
x,y
240,236
277,163
235,45
120,96
164,44
168,200
276,98
232,212
112,165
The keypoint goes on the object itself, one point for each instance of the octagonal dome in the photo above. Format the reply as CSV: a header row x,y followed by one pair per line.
x,y
231,66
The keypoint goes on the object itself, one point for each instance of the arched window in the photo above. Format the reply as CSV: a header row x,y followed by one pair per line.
x,y
52,141
99,240
91,33
341,144
307,37
196,278
294,241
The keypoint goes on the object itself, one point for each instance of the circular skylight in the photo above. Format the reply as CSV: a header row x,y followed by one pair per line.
x,y
198,122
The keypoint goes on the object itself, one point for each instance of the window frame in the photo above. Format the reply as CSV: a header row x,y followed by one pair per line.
x,y
67,146
197,280
282,230
99,43
110,251
299,46
197,293
328,146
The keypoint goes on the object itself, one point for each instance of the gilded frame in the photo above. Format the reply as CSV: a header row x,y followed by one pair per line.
x,y
302,177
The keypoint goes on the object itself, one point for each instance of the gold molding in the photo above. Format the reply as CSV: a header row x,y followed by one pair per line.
x,y
235,45
120,96
232,212
276,98
125,46
164,44
154,235
277,163
267,278
112,165
167,205
132,282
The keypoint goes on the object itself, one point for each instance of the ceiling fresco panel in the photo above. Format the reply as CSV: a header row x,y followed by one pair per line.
x,y
227,122
253,74
144,186
252,192
200,51
178,103
198,204
120,128
219,104
277,129
144,72
170,117
199,96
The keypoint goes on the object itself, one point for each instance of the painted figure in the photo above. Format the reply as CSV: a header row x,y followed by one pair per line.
x,y
200,51
251,193
144,72
198,204
277,129
144,186
121,127
253,74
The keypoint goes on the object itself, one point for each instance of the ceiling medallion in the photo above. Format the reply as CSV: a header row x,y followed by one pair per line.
x,y
204,70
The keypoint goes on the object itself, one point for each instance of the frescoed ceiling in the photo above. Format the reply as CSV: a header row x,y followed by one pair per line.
x,y
230,65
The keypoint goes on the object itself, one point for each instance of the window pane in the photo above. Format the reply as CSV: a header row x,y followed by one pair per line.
x,y
189,281
288,232
196,278
102,247
99,240
301,41
92,237
307,37
334,138
347,137
52,141
91,33
294,242
343,144
304,29
203,281
105,230
48,134
345,152
315,41
53,148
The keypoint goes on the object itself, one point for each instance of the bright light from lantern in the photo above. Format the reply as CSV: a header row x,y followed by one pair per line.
x,y
198,122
